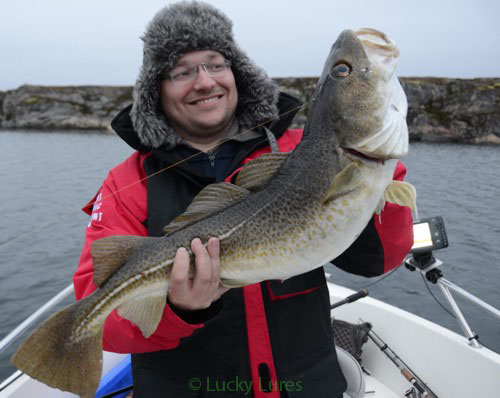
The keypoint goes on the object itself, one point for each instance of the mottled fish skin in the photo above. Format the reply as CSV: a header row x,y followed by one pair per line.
x,y
309,212
267,227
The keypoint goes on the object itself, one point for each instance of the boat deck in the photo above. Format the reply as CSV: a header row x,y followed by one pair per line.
x,y
441,358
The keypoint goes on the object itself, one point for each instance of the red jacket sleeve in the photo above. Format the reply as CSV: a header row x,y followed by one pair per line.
x,y
395,228
119,208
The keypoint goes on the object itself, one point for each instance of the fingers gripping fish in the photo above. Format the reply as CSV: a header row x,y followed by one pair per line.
x,y
287,213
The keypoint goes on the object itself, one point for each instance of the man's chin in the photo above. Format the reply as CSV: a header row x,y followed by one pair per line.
x,y
205,128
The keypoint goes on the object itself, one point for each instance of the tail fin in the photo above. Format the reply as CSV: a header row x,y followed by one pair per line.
x,y
52,356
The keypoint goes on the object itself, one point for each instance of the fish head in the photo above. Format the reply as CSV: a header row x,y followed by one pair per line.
x,y
359,97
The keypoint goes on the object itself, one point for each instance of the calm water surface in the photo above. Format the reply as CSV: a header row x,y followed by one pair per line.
x,y
47,177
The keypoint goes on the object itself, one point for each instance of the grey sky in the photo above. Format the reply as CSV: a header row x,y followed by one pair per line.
x,y
62,42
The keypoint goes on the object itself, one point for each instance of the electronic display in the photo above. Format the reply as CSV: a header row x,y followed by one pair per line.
x,y
429,234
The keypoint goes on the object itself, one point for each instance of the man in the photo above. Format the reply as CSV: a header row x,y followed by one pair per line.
x,y
195,101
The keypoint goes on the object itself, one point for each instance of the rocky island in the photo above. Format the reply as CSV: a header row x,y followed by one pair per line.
x,y
440,109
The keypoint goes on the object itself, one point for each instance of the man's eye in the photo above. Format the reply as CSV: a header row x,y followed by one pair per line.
x,y
185,73
215,67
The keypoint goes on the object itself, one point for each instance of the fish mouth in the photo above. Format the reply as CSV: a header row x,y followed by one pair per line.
x,y
390,140
378,46
353,153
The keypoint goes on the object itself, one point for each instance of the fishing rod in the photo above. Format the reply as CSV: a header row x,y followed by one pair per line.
x,y
350,299
405,370
69,214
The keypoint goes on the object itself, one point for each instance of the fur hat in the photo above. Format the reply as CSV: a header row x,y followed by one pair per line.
x,y
188,26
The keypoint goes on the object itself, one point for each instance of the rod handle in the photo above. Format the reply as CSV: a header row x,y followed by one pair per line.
x,y
357,296
350,299
408,376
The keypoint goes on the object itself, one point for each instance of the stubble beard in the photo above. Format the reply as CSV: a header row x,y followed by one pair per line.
x,y
202,130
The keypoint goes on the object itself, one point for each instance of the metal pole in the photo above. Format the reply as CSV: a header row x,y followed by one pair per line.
x,y
460,318
7,340
470,297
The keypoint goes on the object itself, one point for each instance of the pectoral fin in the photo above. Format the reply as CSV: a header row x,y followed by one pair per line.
x,y
258,172
400,193
210,200
345,181
109,254
145,312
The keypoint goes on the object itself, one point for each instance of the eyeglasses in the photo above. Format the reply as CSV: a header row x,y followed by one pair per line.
x,y
188,73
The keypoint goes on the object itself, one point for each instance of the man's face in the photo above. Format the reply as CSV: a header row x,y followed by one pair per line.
x,y
201,110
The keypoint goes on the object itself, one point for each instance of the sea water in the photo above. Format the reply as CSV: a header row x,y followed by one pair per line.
x,y
46,178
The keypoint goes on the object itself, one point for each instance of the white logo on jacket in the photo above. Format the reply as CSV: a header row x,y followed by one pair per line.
x,y
96,215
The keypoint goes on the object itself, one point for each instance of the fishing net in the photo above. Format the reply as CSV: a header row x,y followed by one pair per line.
x,y
351,337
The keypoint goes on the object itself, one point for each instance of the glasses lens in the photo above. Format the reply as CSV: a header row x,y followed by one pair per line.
x,y
189,73
184,74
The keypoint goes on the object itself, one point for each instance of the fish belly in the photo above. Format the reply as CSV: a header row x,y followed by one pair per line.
x,y
327,232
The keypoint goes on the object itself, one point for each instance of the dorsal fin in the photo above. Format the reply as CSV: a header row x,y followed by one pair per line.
x,y
109,254
257,173
210,200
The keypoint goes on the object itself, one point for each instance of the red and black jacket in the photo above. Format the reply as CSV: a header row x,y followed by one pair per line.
x,y
267,333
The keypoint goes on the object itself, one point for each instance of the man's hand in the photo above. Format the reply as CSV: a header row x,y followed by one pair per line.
x,y
205,287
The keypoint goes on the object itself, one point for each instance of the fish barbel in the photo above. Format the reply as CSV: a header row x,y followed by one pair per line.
x,y
287,213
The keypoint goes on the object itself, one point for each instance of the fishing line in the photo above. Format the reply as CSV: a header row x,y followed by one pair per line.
x,y
197,153
384,277
64,216
425,283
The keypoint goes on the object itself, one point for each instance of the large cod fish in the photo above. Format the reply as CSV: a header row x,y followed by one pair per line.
x,y
287,214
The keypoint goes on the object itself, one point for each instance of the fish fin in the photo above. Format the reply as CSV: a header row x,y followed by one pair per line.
x,y
258,172
380,206
210,200
145,312
234,283
345,181
401,193
51,355
109,254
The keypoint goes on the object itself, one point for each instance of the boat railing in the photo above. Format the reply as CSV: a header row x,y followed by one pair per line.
x,y
33,318
429,234
435,275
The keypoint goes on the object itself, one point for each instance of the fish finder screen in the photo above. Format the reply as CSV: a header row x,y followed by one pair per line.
x,y
428,235
421,236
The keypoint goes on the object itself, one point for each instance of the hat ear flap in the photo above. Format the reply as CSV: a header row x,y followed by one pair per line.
x,y
147,115
257,93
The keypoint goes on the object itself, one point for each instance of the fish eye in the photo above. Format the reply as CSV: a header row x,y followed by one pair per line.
x,y
342,69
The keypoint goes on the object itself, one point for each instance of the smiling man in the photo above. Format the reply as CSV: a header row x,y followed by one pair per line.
x,y
201,110
199,96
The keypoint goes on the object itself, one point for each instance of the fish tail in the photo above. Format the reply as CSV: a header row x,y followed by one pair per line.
x,y
53,356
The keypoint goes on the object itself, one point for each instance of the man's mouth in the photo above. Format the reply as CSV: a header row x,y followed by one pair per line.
x,y
206,101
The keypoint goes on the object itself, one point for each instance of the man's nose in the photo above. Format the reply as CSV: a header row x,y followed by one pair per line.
x,y
203,79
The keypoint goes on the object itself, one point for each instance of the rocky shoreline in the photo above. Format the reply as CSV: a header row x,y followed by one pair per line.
x,y
440,109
